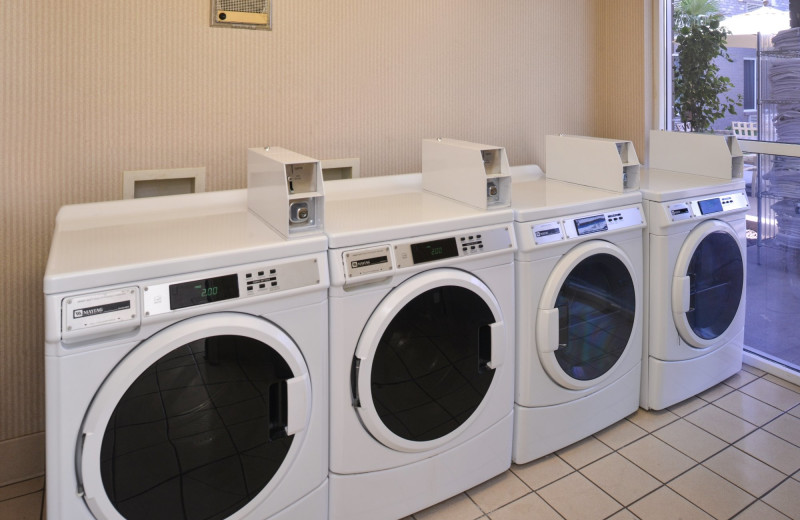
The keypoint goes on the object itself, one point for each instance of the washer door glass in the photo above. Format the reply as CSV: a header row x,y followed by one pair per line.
x,y
596,307
200,432
713,280
586,315
421,379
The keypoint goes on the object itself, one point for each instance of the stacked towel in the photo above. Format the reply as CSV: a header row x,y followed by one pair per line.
x,y
784,176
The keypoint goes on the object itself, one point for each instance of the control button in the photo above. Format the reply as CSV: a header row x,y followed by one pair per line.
x,y
250,288
261,273
272,271
478,237
274,284
472,247
262,285
248,275
471,237
463,248
462,239
481,246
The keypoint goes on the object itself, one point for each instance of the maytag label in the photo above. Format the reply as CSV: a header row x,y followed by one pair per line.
x,y
108,308
547,233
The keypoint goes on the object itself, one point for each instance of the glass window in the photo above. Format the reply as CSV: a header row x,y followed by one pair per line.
x,y
430,369
199,433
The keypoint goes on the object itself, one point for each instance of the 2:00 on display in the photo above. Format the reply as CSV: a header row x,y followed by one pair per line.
x,y
198,292
434,250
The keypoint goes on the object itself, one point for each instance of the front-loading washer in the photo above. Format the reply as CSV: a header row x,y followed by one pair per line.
x,y
422,346
579,295
695,268
186,363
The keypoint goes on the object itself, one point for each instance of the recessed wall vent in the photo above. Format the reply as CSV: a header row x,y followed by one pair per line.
x,y
244,14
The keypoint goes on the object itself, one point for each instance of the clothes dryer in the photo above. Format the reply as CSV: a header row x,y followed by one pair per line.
x,y
186,363
579,296
422,346
695,264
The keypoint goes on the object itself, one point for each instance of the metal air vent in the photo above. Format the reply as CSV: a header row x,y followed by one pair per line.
x,y
245,14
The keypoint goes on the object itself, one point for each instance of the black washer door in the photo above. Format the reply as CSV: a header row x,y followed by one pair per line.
x,y
202,429
427,358
716,281
428,376
596,308
587,313
196,436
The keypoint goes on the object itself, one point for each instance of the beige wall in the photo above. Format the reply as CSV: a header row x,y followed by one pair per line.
x,y
90,89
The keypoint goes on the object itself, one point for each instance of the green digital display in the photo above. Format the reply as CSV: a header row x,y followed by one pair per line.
x,y
198,292
434,250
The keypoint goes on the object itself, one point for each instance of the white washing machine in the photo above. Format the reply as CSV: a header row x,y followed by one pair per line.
x,y
186,363
579,308
422,346
695,263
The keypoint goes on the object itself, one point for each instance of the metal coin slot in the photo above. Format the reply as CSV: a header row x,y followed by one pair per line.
x,y
298,212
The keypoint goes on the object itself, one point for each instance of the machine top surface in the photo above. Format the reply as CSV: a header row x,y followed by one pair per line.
x,y
664,185
536,197
363,211
124,241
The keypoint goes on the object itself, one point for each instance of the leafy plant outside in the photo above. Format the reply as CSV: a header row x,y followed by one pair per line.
x,y
698,88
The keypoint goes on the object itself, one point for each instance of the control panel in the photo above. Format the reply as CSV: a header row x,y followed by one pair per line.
x,y
603,222
684,210
253,281
576,227
400,255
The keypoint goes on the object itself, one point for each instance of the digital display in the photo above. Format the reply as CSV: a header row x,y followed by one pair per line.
x,y
434,250
709,206
593,224
198,292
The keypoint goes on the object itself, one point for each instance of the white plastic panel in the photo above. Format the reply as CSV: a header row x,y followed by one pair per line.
x,y
547,233
100,314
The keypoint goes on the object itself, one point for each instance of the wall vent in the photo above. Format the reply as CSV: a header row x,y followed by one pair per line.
x,y
244,14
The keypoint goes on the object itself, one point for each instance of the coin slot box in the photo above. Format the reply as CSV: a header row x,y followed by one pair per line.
x,y
476,174
718,156
285,189
607,164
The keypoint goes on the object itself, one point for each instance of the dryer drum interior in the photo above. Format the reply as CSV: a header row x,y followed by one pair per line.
x,y
716,274
430,369
596,310
199,433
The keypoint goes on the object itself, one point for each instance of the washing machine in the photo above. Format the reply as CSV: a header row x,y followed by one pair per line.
x,y
579,296
186,363
695,263
422,346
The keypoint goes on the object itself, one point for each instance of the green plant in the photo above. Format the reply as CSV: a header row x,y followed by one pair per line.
x,y
692,12
698,89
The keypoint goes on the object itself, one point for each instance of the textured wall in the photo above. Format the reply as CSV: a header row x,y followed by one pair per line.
x,y
619,73
90,89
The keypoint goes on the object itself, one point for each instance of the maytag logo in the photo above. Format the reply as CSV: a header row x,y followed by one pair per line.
x,y
92,311
101,309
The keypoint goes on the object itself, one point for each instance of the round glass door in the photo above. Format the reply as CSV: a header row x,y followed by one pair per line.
x,y
200,432
429,368
708,284
587,315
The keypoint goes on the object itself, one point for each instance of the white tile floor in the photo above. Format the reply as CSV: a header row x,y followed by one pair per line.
x,y
731,452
